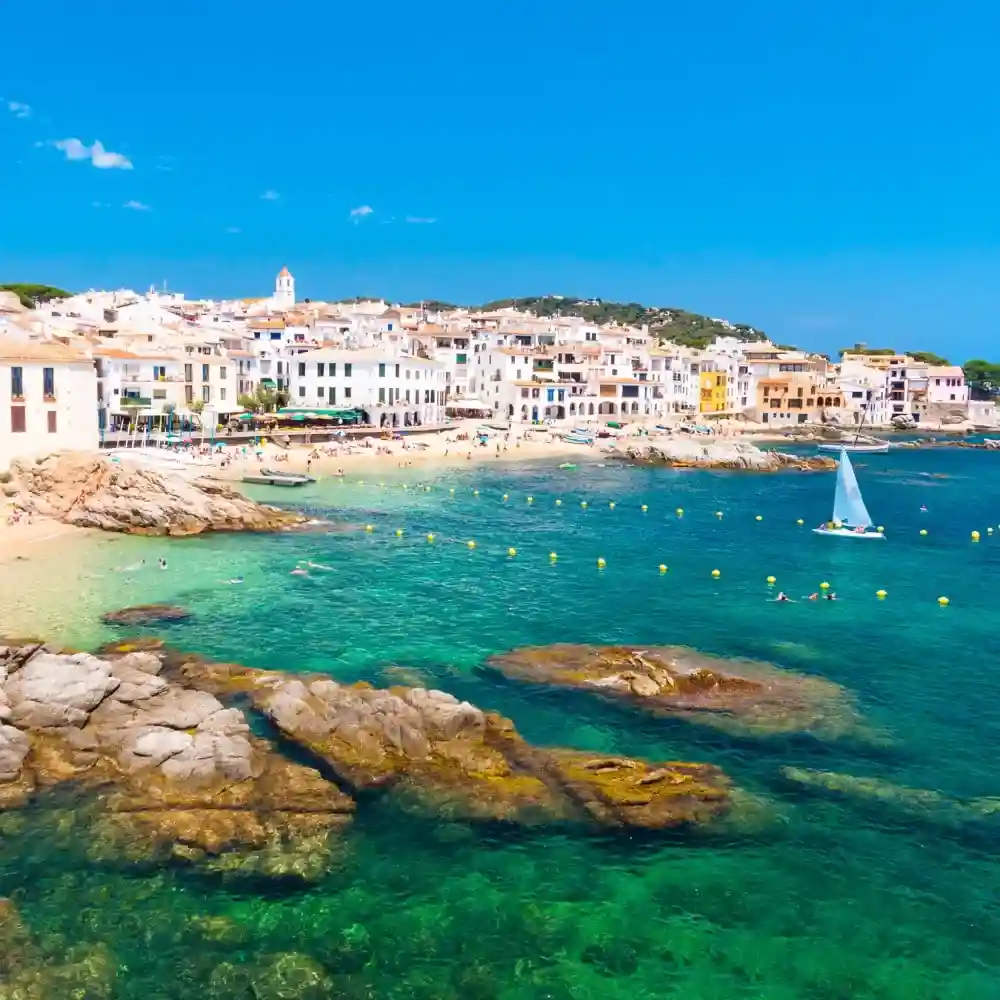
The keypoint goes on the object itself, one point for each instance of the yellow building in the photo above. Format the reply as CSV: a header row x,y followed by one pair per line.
x,y
712,398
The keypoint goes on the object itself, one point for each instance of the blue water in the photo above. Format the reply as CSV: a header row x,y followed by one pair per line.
x,y
834,898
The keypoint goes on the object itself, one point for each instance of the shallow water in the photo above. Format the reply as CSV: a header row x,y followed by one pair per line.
x,y
834,899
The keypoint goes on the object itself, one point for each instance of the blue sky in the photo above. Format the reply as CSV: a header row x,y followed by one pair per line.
x,y
826,171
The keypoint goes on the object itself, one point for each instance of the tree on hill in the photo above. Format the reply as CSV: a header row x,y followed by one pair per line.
x,y
865,349
928,357
982,377
30,294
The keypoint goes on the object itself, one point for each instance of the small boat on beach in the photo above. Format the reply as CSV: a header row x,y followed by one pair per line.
x,y
579,436
850,515
860,448
277,479
287,475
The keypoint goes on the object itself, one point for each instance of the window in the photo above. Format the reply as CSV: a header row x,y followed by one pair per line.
x,y
407,372
222,371
407,395
381,371
347,370
333,395
397,371
347,393
333,369
302,390
319,369
381,392
17,424
206,393
204,373
460,359
189,394
188,374
320,391
159,373
159,394
302,369
17,382
222,394
48,382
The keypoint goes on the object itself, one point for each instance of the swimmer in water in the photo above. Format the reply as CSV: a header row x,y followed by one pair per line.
x,y
813,597
312,565
782,596
162,563
830,597
923,508
299,572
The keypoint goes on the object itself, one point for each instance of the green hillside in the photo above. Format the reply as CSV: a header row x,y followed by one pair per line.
x,y
676,325
29,294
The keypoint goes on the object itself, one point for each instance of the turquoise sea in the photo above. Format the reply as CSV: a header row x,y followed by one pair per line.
x,y
834,898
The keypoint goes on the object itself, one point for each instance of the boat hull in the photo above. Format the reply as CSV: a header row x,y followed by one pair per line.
x,y
848,533
857,449
273,481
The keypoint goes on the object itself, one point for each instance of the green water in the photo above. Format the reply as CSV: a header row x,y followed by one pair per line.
x,y
835,899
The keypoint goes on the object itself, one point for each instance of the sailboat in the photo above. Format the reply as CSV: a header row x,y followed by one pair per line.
x,y
850,515
869,446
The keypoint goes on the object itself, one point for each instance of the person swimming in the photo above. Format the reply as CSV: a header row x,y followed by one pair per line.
x,y
830,597
162,563
813,597
315,565
234,580
298,571
923,508
782,596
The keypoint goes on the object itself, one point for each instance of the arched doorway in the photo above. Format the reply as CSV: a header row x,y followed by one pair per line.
x,y
590,410
524,412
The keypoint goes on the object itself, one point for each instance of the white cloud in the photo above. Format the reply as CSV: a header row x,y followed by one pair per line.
x,y
137,206
19,110
417,220
234,230
270,195
99,204
100,157
361,211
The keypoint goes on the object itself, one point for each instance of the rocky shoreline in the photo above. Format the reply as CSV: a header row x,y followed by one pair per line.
x,y
692,453
157,750
92,491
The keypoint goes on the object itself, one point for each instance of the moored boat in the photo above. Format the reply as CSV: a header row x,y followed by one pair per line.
x,y
276,479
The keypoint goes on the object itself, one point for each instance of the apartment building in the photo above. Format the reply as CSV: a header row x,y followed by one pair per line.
x,y
50,394
795,398
389,390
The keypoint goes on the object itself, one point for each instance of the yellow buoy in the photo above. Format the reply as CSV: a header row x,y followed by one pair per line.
x,y
759,518
583,503
989,531
399,531
553,556
718,513
471,544
663,567
880,529
923,531
475,493
601,563
531,499
369,527
880,594
559,503
975,536
452,490
716,573
824,586
505,496
944,602
800,521
512,552
430,537
771,579
612,505
644,508
680,511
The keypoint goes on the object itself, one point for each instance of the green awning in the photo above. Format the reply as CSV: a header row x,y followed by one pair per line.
x,y
268,383
295,411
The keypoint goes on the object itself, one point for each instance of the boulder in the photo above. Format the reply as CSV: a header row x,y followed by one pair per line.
x,y
53,690
92,491
699,453
738,696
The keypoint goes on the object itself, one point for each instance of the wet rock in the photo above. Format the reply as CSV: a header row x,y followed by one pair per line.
x,y
146,614
14,746
93,492
698,453
738,696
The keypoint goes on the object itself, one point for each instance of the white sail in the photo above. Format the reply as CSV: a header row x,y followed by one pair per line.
x,y
848,506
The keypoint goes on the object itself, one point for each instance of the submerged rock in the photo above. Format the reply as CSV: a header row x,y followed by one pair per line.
x,y
738,696
699,453
94,492
914,803
146,614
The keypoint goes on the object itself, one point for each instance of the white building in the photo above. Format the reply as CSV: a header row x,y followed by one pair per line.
x,y
390,390
51,394
284,291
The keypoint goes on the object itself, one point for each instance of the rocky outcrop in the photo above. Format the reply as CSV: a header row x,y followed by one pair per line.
x,y
698,453
146,614
95,492
444,756
173,774
738,696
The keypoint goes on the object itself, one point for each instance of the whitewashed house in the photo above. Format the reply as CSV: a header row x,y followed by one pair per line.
x,y
49,393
